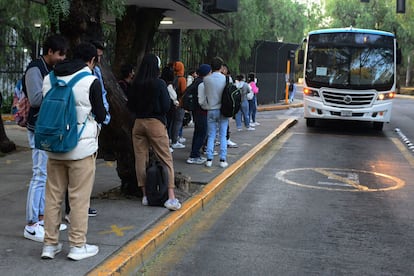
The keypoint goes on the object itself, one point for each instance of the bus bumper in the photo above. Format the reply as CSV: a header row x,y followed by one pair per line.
x,y
380,112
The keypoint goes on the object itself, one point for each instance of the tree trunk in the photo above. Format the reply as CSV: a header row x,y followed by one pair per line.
x,y
134,34
408,73
134,37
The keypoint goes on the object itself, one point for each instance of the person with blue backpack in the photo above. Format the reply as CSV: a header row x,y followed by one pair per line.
x,y
54,50
74,170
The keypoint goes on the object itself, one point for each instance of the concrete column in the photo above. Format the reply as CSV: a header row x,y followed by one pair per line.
x,y
174,49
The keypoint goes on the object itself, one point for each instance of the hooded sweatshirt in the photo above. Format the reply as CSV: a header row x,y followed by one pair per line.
x,y
180,82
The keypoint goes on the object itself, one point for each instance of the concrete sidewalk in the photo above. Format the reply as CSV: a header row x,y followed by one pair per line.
x,y
126,232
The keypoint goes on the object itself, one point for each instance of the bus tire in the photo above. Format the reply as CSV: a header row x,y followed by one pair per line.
x,y
310,122
378,125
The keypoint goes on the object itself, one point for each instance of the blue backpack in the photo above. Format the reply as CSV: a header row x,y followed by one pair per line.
x,y
56,128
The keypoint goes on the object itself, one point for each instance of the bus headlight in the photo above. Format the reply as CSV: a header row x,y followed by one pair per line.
x,y
386,96
310,92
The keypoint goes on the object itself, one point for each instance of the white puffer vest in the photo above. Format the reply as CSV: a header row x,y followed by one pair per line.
x,y
88,142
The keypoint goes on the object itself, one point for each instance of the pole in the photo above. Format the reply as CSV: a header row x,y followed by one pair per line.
x,y
287,81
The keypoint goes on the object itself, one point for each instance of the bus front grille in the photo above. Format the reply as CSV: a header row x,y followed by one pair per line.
x,y
348,99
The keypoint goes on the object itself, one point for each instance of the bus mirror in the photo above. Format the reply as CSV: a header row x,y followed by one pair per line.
x,y
399,56
301,56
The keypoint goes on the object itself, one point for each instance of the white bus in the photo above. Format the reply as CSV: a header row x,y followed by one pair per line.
x,y
349,74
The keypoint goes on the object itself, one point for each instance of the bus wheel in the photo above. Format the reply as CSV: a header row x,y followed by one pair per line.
x,y
378,125
310,122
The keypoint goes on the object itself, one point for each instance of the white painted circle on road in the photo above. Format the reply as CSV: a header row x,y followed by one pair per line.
x,y
335,179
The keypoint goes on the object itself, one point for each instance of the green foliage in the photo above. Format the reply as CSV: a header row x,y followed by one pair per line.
x,y
115,8
57,9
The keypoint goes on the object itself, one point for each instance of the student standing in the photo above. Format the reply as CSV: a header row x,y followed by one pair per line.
x,y
200,119
149,100
54,50
213,89
74,171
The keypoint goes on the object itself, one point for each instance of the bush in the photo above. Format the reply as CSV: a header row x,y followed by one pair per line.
x,y
6,104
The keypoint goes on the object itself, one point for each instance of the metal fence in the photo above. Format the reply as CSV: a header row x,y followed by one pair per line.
x,y
13,61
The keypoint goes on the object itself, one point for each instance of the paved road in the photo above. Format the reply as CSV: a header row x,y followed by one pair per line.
x,y
332,200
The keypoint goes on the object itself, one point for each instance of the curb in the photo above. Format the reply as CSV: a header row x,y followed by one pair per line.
x,y
136,252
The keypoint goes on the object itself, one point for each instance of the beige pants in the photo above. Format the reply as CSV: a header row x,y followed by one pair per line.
x,y
77,177
152,133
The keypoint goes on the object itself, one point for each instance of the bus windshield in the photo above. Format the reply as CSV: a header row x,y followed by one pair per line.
x,y
350,60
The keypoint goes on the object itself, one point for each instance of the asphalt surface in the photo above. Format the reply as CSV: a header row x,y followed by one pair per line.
x,y
126,232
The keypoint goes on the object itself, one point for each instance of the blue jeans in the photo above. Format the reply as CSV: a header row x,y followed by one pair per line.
x,y
177,124
253,108
216,121
35,205
200,133
244,110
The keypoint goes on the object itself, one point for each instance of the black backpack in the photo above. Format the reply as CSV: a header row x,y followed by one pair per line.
x,y
230,100
156,185
190,98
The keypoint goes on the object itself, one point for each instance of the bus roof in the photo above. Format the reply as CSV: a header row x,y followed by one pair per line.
x,y
351,30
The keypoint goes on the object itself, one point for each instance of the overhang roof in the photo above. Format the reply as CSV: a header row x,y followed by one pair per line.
x,y
178,10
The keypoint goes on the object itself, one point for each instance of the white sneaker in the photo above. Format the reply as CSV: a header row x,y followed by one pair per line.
x,y
178,145
253,124
231,144
144,201
49,251
83,252
214,153
34,232
181,139
171,150
209,163
224,164
196,160
256,124
250,128
62,227
172,204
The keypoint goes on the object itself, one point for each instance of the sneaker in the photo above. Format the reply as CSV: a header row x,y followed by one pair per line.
x,y
256,124
62,226
172,204
181,139
250,128
239,129
209,163
67,218
231,144
144,201
217,143
214,153
171,150
253,124
92,212
34,232
83,252
178,145
49,251
224,164
196,160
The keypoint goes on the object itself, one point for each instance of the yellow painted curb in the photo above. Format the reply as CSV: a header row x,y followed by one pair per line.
x,y
7,117
136,252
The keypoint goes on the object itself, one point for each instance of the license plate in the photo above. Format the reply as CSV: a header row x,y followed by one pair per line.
x,y
346,113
